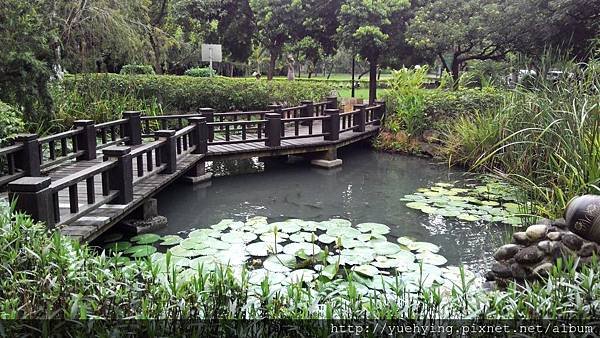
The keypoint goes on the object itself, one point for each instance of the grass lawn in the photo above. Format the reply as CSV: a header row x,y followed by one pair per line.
x,y
361,93
336,76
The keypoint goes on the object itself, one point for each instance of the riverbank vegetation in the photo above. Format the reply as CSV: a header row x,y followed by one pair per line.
x,y
45,275
541,136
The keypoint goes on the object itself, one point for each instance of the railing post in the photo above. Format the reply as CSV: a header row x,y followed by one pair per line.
x,y
332,102
86,141
360,118
308,110
29,158
379,112
199,134
209,113
168,151
133,128
277,109
273,130
331,125
120,177
33,196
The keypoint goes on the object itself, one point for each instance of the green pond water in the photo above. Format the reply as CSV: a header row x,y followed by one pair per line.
x,y
371,187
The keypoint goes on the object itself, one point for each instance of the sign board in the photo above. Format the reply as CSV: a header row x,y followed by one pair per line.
x,y
211,53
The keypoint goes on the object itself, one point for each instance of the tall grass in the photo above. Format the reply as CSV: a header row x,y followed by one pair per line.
x,y
544,138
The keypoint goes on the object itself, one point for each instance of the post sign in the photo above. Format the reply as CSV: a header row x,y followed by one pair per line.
x,y
211,53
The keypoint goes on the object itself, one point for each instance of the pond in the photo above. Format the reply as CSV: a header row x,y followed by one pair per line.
x,y
367,188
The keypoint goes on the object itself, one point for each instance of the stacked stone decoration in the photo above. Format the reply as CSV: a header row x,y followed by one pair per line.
x,y
534,251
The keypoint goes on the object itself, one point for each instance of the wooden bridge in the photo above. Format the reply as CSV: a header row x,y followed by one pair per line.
x,y
89,178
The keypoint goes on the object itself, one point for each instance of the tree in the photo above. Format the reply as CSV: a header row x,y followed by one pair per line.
x,y
26,57
275,22
364,27
489,29
457,33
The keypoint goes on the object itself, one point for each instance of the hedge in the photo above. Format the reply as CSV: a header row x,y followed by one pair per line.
x,y
137,70
104,96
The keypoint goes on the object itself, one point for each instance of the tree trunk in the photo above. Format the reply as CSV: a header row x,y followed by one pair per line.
x,y
372,80
272,61
455,73
156,51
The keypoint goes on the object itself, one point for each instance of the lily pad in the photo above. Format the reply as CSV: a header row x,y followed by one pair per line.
x,y
140,251
424,246
468,217
280,263
366,270
256,277
308,248
431,258
330,271
238,237
417,205
170,240
146,238
118,246
205,233
262,249
326,239
374,228
300,275
180,251
272,237
385,248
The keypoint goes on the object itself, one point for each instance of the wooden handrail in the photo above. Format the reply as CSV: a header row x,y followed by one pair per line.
x,y
82,175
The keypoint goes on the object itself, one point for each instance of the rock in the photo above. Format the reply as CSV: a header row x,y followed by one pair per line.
x,y
545,221
560,223
552,228
489,276
543,269
506,251
571,240
536,231
501,270
521,238
546,246
518,271
554,236
561,250
529,255
588,249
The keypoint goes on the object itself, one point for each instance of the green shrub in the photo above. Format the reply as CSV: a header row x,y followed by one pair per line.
x,y
446,104
200,72
104,96
12,122
405,99
45,275
137,70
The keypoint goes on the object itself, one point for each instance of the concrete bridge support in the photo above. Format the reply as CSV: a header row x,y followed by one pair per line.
x,y
326,159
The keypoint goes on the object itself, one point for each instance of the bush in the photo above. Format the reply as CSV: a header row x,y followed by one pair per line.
x,y
12,122
137,70
45,275
200,72
104,96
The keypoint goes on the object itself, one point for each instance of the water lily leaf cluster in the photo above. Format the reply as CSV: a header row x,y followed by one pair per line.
x,y
487,202
298,251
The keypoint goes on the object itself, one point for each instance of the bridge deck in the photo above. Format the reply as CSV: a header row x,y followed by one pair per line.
x,y
231,141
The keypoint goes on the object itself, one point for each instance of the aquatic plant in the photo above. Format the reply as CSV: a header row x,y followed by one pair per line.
x,y
489,201
45,275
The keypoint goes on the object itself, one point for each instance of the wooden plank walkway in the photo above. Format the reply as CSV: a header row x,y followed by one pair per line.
x,y
87,194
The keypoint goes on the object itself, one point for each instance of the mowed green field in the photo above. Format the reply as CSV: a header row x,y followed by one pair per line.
x,y
336,77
